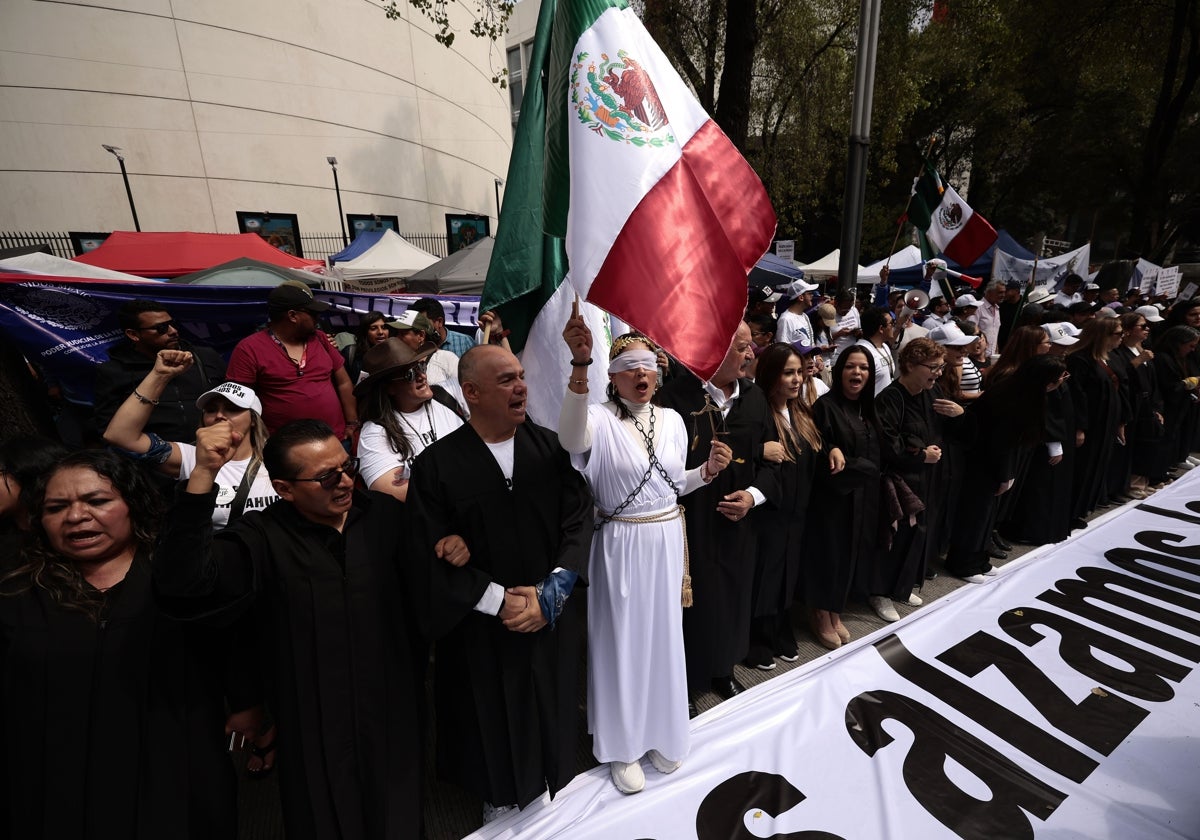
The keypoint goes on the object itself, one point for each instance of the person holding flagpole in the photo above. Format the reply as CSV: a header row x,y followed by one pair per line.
x,y
632,455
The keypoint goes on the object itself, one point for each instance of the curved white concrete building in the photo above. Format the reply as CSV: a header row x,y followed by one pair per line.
x,y
224,105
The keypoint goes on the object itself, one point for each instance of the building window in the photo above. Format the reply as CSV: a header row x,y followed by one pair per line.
x,y
516,80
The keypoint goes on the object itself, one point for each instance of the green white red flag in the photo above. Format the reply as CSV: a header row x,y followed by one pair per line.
x,y
947,221
662,216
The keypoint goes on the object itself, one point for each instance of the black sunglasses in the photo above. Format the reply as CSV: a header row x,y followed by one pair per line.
x,y
411,374
333,478
162,328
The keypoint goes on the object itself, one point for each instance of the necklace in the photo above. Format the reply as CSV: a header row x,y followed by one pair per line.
x,y
303,360
428,420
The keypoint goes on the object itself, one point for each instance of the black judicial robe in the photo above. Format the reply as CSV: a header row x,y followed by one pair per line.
x,y
1042,512
1097,414
843,522
337,646
722,553
506,702
112,730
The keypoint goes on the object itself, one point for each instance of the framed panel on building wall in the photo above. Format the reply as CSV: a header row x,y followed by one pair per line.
x,y
464,229
359,222
281,230
82,243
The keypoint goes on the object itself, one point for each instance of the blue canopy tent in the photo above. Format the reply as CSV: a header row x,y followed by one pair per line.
x,y
982,267
773,271
361,244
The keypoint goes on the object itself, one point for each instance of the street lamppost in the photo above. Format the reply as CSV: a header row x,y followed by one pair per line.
x,y
499,184
116,152
332,161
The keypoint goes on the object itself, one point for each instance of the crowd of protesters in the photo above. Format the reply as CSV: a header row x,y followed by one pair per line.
x,y
266,555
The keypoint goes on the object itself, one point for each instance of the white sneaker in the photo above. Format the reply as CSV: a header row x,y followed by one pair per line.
x,y
991,571
627,776
884,608
975,578
661,763
915,600
1193,460
493,812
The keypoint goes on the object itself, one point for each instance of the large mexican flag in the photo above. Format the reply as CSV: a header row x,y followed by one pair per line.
x,y
659,216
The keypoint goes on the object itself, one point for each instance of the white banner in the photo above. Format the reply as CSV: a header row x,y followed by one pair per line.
x,y
1050,270
785,249
1056,701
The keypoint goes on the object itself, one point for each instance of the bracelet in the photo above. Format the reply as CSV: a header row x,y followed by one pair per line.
x,y
578,381
580,364
143,400
707,479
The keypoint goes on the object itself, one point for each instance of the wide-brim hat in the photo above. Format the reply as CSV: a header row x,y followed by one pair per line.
x,y
387,357
234,393
1040,295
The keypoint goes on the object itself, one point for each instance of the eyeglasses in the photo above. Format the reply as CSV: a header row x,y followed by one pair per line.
x,y
934,368
161,328
413,372
333,478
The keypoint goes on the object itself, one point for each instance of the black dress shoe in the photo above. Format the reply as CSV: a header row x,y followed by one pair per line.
x,y
1001,543
727,687
997,554
930,573
1078,523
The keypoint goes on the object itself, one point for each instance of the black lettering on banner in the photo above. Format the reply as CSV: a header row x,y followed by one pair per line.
x,y
1138,561
722,814
1174,514
1146,681
1101,721
1014,791
1094,582
1032,740
1158,540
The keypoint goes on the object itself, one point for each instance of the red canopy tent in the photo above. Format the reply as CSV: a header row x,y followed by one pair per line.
x,y
173,254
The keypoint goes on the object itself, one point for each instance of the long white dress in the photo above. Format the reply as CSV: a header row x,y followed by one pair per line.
x,y
637,677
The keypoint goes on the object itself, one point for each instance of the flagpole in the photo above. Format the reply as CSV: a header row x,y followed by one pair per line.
x,y
904,215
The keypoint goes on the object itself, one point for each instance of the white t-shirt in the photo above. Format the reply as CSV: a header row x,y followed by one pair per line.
x,y
229,478
428,423
443,365
505,454
794,326
885,365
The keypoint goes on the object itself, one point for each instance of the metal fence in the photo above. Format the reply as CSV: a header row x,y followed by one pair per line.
x,y
316,246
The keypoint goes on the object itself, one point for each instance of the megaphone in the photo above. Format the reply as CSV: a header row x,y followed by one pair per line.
x,y
914,301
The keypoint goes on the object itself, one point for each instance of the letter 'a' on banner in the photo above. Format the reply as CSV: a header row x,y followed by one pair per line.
x,y
659,217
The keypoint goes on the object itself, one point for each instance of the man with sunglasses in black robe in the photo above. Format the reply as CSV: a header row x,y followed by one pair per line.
x,y
322,572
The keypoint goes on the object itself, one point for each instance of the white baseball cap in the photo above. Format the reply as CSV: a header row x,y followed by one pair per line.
x,y
966,300
237,394
1150,313
950,334
1059,333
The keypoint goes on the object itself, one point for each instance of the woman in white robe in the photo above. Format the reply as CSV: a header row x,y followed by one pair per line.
x,y
632,455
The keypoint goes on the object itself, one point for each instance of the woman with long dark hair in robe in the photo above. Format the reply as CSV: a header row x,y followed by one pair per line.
x,y
782,376
844,512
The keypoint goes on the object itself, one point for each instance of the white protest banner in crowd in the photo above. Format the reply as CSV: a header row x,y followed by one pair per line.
x,y
1168,281
1057,700
785,249
1050,270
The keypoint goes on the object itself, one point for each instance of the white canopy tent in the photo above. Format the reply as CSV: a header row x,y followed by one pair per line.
x,y
49,265
826,267
906,257
389,261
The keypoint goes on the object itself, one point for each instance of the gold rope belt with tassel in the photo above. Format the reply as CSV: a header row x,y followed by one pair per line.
x,y
667,516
